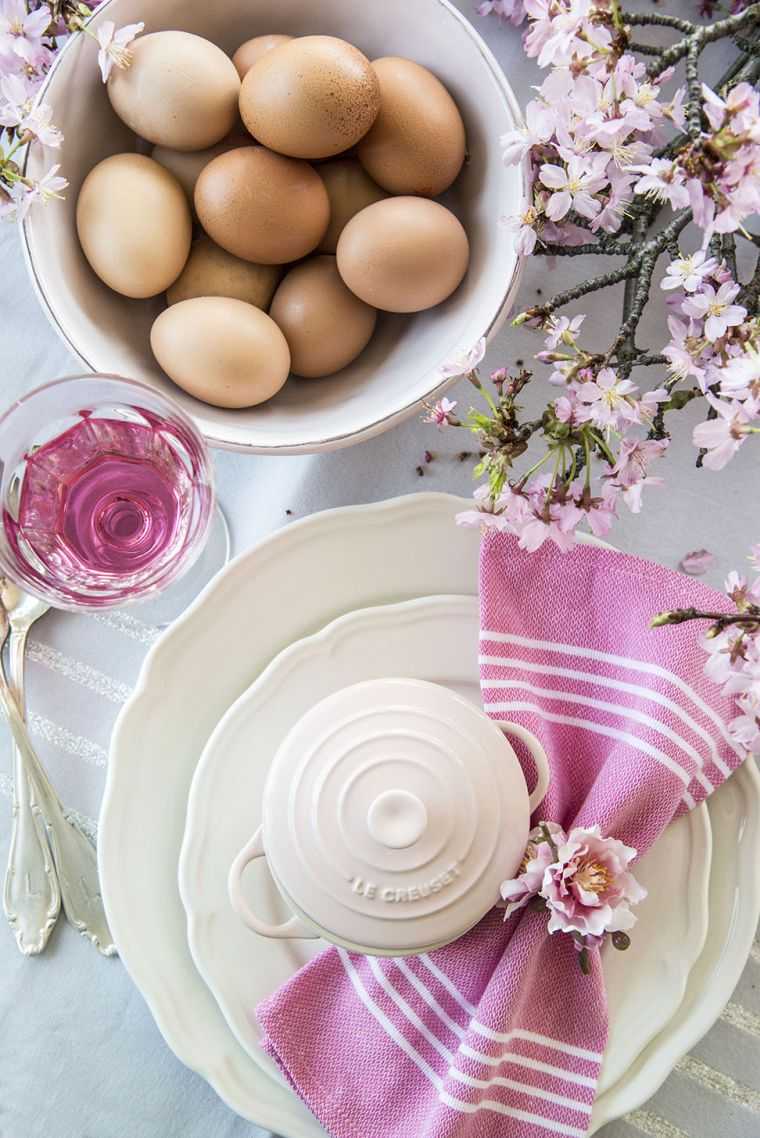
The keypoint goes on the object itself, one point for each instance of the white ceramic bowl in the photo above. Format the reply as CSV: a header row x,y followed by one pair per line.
x,y
109,333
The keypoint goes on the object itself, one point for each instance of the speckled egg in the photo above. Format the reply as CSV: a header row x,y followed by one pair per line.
x,y
262,206
417,143
310,98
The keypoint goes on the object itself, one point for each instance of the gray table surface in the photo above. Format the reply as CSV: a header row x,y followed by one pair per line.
x,y
80,1056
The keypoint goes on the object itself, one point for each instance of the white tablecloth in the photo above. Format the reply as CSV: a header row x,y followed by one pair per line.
x,y
80,1056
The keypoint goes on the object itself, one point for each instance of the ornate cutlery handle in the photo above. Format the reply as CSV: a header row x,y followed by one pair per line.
x,y
31,895
73,854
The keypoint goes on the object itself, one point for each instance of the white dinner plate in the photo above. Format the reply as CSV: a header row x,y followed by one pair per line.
x,y
431,638
351,558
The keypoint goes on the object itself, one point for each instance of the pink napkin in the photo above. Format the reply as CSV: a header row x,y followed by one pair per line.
x,y
500,1033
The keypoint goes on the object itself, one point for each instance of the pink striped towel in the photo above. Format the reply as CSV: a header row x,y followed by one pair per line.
x,y
499,1034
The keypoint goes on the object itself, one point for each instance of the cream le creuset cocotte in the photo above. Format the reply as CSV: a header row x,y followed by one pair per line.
x,y
392,812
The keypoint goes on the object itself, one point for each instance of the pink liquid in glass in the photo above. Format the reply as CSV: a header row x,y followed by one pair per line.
x,y
107,507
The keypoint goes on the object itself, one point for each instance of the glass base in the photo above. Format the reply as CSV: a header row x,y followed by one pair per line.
x,y
171,602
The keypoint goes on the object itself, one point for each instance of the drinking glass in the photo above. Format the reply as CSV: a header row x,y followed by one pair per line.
x,y
106,493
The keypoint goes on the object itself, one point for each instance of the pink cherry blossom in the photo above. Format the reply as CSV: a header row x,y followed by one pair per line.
x,y
538,856
722,437
114,45
680,352
573,186
609,398
552,33
631,471
663,180
509,10
440,412
539,127
523,225
741,375
564,330
18,26
463,361
716,309
689,272
18,110
589,889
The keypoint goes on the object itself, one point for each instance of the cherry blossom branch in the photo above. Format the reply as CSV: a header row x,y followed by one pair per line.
x,y
542,311
601,172
659,19
696,38
606,245
749,620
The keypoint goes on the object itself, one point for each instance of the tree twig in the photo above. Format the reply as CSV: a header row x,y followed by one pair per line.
x,y
659,19
615,276
700,37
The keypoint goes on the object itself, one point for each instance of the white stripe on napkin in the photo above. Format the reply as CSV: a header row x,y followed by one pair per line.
x,y
599,729
388,1027
454,1027
446,983
539,1040
481,1029
621,709
522,1088
512,1112
408,1012
620,662
647,694
508,1057
432,1076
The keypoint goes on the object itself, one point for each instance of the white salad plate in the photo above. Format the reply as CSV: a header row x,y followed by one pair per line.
x,y
435,639
352,558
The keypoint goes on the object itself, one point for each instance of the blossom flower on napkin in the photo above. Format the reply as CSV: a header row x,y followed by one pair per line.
x,y
583,880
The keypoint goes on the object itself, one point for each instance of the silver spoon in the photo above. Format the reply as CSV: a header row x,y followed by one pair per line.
x,y
73,855
31,894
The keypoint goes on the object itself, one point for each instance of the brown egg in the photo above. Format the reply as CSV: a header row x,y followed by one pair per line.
x,y
310,98
179,90
212,271
261,206
223,351
349,189
403,254
252,50
417,143
134,224
326,326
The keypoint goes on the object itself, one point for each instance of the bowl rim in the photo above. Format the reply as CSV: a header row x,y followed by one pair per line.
x,y
377,426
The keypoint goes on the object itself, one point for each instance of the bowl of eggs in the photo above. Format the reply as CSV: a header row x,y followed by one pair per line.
x,y
286,216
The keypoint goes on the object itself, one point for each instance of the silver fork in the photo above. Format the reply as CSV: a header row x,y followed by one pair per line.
x,y
31,894
74,857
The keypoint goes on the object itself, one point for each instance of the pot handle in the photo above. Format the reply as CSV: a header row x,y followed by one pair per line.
x,y
295,927
538,755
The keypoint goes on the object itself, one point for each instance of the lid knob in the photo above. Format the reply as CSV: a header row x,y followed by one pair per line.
x,y
397,819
